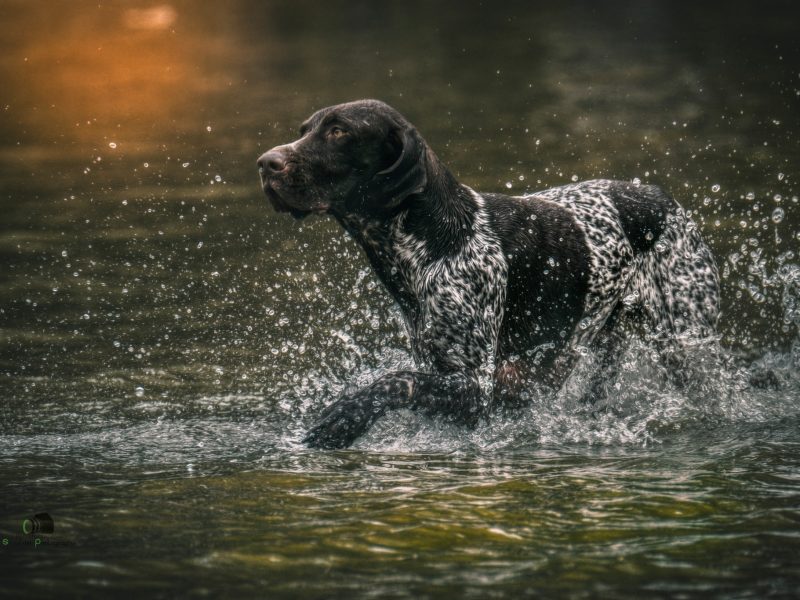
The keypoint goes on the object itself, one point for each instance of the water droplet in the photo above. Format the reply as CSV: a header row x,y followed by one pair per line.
x,y
139,391
217,178
124,203
660,247
637,182
715,188
750,196
522,177
574,178
208,128
777,215
508,184
184,165
781,176
648,236
199,245
630,299
584,324
112,145
64,253
146,165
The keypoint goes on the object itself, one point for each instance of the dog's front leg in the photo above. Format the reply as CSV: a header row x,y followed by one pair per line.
x,y
453,396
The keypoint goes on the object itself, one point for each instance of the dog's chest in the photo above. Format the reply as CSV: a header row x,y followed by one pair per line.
x,y
459,298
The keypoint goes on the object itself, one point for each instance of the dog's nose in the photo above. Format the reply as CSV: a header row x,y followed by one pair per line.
x,y
271,162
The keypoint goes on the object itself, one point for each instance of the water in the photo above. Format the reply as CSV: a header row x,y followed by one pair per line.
x,y
166,339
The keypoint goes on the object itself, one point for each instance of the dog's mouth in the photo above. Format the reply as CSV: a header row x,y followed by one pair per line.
x,y
280,203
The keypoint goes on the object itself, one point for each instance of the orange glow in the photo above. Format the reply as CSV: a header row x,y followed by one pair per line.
x,y
134,70
158,17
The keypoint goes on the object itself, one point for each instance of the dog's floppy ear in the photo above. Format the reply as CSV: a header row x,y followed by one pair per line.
x,y
408,173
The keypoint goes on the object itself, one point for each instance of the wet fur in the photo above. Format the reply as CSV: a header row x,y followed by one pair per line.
x,y
499,293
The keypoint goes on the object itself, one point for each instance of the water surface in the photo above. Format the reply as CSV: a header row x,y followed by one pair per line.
x,y
166,338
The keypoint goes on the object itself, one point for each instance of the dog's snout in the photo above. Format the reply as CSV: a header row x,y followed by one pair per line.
x,y
271,162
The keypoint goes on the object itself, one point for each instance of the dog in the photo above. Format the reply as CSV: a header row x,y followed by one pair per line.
x,y
499,293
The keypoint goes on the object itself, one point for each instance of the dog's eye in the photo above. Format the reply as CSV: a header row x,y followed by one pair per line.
x,y
336,133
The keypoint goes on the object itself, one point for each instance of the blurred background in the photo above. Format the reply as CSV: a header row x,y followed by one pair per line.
x,y
159,320
129,131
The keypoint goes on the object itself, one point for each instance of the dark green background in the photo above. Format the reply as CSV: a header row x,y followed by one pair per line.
x,y
165,337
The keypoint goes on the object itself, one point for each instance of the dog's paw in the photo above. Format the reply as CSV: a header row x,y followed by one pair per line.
x,y
341,424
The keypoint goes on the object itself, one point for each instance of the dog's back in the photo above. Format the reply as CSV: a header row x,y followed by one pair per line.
x,y
590,261
646,252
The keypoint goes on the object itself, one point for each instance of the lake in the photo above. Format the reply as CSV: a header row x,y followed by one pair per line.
x,y
166,338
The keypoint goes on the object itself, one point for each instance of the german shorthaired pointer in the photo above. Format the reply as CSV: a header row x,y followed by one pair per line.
x,y
499,293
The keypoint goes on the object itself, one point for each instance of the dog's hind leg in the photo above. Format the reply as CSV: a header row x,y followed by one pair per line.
x,y
606,347
677,285
454,396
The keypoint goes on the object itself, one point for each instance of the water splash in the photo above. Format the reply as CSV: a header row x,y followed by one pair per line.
x,y
643,407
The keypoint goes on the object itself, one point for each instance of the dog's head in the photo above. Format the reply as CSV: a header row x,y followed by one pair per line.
x,y
360,158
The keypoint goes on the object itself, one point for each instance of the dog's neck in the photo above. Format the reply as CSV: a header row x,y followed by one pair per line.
x,y
427,226
441,216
